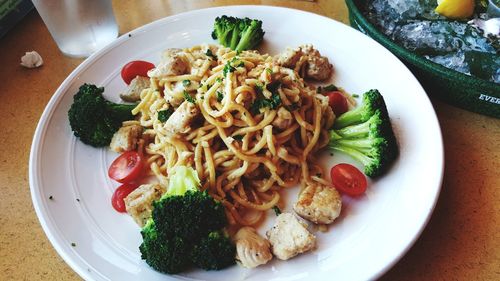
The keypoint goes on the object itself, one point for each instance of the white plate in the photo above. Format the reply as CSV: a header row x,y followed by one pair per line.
x,y
373,232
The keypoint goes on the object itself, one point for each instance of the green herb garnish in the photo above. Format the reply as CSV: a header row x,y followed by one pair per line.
x,y
272,102
186,83
163,115
277,210
259,88
210,54
228,68
220,96
189,98
328,88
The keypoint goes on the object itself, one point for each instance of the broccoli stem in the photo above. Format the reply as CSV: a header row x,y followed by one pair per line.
x,y
121,111
356,154
359,144
350,117
355,131
235,37
247,40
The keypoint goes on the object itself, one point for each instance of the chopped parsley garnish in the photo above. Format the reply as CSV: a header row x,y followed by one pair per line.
x,y
272,102
73,244
328,88
163,115
186,83
228,68
259,87
210,54
220,96
277,210
231,65
269,71
218,79
258,104
355,96
238,137
189,98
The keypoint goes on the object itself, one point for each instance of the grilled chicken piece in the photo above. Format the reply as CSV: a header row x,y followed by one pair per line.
x,y
289,58
312,64
289,237
176,96
173,62
126,138
134,89
318,67
327,115
139,203
180,121
319,204
252,249
283,120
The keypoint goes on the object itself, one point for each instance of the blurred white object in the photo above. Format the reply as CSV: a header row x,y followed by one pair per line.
x,y
489,27
31,60
79,27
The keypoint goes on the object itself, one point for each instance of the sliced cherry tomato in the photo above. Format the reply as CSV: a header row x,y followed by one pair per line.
x,y
337,102
135,68
127,167
348,179
120,193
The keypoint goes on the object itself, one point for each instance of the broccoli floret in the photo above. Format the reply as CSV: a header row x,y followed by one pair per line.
x,y
368,136
191,216
164,254
181,227
372,101
238,33
93,119
214,252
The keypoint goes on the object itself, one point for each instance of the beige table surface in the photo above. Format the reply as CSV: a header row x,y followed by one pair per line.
x,y
461,241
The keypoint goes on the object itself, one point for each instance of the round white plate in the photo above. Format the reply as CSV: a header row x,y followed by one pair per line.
x,y
71,191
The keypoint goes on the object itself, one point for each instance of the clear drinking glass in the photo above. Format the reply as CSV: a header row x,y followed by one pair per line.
x,y
494,8
79,27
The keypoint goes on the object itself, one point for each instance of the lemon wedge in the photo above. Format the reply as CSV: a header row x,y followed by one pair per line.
x,y
455,9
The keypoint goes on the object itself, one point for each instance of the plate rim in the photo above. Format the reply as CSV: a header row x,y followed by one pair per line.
x,y
38,139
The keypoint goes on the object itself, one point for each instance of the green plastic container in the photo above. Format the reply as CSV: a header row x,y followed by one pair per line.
x,y
470,93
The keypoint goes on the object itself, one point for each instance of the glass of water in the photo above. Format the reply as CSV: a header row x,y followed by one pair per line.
x,y
494,8
79,27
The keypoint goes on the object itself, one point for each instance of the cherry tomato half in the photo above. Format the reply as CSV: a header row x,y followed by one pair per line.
x,y
348,179
337,102
135,68
120,193
127,167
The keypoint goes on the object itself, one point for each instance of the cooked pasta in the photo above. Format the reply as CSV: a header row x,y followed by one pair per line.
x,y
254,126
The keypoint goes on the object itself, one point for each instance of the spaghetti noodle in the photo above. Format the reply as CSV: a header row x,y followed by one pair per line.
x,y
256,129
